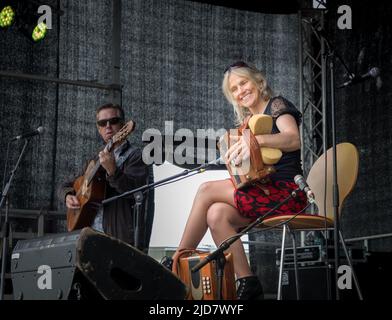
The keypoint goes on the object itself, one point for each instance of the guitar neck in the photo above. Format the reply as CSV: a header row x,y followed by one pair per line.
x,y
97,165
116,140
94,171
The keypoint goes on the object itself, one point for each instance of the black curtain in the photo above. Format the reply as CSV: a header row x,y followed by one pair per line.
x,y
173,54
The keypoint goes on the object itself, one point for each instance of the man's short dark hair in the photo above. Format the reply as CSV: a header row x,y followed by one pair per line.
x,y
111,106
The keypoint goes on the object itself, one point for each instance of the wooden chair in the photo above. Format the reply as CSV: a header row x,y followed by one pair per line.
x,y
347,171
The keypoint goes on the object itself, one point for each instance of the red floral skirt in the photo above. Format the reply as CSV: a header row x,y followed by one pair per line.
x,y
252,202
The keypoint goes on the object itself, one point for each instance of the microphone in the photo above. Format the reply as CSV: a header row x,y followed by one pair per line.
x,y
372,73
37,131
301,183
216,162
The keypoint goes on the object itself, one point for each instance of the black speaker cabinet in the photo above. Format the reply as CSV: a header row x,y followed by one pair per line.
x,y
315,284
89,265
374,278
312,283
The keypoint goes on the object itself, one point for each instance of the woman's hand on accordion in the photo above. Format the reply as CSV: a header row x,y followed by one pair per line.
x,y
238,152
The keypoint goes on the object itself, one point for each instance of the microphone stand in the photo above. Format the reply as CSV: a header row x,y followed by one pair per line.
x,y
5,173
138,194
218,253
6,226
330,56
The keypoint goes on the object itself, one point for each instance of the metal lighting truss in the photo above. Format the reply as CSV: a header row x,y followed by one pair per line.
x,y
312,82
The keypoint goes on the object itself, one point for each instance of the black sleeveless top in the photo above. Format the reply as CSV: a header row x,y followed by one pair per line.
x,y
290,163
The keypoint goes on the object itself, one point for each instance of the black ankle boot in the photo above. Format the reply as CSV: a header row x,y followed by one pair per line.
x,y
249,288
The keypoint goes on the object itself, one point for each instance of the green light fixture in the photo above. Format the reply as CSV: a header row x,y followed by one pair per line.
x,y
39,32
7,16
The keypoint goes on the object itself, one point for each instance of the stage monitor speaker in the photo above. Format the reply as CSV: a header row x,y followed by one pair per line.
x,y
86,264
374,278
313,284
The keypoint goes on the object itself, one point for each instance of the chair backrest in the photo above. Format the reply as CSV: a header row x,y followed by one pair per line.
x,y
347,172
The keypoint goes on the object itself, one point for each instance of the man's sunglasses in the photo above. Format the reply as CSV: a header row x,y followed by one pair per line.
x,y
112,121
238,64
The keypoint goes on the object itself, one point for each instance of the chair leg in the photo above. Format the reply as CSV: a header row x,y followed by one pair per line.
x,y
295,264
351,266
281,263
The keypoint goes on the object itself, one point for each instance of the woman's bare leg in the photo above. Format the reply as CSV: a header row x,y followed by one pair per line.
x,y
208,194
224,221
214,207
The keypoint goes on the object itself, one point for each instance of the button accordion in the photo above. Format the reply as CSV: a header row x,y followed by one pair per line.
x,y
203,284
260,163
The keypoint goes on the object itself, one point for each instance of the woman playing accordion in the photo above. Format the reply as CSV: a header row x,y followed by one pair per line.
x,y
224,208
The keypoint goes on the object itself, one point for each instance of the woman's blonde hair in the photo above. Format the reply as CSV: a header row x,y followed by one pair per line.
x,y
254,75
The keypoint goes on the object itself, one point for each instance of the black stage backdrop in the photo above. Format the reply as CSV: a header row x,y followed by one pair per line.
x,y
25,105
173,54
363,117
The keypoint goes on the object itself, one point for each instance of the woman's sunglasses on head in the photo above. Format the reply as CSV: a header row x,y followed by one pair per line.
x,y
238,64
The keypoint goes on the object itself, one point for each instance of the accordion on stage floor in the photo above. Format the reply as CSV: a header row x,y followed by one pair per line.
x,y
203,284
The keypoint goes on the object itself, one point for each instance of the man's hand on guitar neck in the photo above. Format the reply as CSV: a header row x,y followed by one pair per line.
x,y
107,162
72,202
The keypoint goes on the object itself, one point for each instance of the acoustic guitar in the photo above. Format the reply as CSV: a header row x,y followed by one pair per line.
x,y
90,188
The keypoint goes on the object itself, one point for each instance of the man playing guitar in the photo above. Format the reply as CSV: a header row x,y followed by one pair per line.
x,y
120,169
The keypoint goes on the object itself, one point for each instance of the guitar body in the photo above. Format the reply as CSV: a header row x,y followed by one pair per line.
x,y
89,195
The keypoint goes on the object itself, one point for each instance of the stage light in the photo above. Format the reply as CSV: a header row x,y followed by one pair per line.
x,y
39,32
7,16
